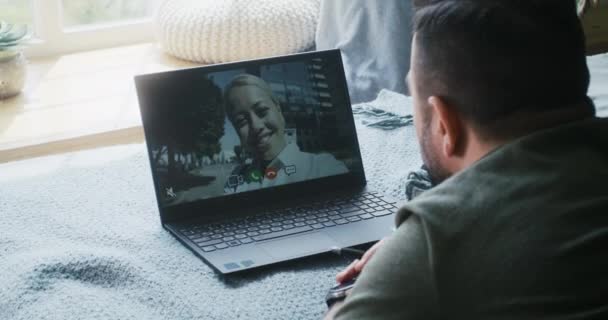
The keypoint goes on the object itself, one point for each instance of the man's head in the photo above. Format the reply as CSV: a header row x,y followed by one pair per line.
x,y
256,116
484,72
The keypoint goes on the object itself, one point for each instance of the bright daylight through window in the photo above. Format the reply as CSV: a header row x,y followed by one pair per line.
x,y
79,12
16,11
61,26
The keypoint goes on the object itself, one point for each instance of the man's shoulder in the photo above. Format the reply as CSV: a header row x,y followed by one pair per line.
x,y
540,180
527,206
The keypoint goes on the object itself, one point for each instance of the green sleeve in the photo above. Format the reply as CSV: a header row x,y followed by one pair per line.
x,y
398,281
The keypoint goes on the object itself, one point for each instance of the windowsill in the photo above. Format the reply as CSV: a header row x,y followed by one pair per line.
x,y
79,101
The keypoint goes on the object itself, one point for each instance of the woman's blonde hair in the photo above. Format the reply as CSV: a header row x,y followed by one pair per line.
x,y
247,80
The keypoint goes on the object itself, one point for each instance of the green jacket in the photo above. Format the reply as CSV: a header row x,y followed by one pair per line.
x,y
521,234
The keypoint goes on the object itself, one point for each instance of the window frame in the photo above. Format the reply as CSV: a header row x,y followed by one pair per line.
x,y
51,37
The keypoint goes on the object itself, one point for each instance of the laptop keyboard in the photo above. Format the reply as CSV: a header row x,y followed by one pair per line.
x,y
285,222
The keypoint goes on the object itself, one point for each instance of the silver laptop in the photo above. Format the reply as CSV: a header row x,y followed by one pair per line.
x,y
257,162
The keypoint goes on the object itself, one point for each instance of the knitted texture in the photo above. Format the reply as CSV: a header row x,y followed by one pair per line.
x,y
214,31
80,238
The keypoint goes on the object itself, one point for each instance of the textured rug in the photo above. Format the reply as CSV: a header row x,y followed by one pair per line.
x,y
80,236
81,239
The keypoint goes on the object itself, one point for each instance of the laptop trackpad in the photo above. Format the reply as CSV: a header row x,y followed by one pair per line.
x,y
298,246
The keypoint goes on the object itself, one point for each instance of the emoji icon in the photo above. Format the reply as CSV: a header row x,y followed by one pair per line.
x,y
271,173
290,170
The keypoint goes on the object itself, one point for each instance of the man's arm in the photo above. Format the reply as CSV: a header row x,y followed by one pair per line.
x,y
355,268
398,281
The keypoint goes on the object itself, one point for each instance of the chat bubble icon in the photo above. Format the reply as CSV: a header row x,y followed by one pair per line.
x,y
289,170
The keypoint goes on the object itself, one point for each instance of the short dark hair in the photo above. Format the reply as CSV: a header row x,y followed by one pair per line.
x,y
495,58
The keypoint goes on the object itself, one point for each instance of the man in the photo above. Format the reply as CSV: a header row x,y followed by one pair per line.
x,y
517,226
256,115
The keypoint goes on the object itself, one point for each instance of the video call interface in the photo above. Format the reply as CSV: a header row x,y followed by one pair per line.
x,y
261,126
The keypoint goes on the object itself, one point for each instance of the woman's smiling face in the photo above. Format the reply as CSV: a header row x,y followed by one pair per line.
x,y
258,121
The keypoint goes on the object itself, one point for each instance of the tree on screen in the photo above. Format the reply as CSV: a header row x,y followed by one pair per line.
x,y
187,124
238,150
200,124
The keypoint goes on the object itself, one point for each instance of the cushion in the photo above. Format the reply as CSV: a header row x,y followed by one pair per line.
x,y
213,31
374,37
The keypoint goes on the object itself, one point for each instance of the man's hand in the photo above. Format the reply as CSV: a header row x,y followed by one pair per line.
x,y
356,266
350,272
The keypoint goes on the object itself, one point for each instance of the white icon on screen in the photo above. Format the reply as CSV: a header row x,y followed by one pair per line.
x,y
235,180
289,170
170,193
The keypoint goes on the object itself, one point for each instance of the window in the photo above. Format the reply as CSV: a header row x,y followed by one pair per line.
x,y
61,26
91,12
16,11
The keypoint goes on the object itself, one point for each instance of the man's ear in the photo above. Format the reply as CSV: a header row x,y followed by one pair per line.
x,y
448,126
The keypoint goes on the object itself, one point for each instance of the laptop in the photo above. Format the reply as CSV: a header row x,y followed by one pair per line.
x,y
257,162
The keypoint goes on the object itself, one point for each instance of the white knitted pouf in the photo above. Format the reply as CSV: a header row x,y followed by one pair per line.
x,y
213,31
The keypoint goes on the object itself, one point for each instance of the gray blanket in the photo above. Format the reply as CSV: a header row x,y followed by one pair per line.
x,y
80,236
81,239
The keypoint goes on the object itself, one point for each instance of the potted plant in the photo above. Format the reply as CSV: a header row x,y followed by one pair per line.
x,y
12,60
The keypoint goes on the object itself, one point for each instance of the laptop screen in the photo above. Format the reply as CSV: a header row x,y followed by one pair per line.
x,y
235,128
